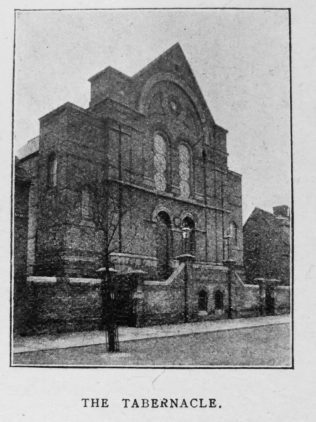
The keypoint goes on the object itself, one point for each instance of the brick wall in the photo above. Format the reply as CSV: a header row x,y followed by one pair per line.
x,y
246,300
283,299
61,306
164,302
163,305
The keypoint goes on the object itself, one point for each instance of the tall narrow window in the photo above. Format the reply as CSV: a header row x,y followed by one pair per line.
x,y
164,245
52,170
160,162
234,233
85,204
184,170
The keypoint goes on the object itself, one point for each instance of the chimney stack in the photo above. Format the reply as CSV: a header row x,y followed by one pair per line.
x,y
281,211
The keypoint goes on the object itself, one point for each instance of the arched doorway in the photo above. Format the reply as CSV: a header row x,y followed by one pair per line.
x,y
202,304
164,244
190,247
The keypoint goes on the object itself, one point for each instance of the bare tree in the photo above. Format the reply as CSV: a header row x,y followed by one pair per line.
x,y
108,204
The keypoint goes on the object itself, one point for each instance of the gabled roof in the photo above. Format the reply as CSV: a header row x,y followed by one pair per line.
x,y
109,69
31,147
175,54
270,217
172,51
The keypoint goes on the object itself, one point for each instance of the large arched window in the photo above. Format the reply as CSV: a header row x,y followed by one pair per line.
x,y
160,162
164,244
184,170
190,247
52,170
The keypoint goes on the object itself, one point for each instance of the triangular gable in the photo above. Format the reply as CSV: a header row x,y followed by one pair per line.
x,y
258,212
174,62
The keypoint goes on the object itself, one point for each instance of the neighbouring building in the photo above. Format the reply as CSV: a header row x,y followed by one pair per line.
x,y
267,245
153,140
21,210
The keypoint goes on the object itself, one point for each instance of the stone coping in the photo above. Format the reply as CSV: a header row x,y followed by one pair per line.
x,y
72,280
205,265
169,281
130,255
42,279
238,278
90,281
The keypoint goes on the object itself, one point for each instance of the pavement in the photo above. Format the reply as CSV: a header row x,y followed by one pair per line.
x,y
86,338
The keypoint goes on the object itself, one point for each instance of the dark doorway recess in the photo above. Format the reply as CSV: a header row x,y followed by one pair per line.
x,y
202,300
270,303
219,300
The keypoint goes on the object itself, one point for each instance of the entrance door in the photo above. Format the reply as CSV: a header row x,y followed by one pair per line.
x,y
125,309
270,301
163,239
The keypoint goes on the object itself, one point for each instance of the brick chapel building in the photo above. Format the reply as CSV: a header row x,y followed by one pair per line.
x,y
154,139
267,245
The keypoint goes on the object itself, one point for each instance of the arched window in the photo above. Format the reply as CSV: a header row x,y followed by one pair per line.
x,y
202,300
164,244
234,233
190,247
52,170
219,300
160,162
184,170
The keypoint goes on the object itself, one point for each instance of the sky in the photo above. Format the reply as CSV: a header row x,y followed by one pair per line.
x,y
240,60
